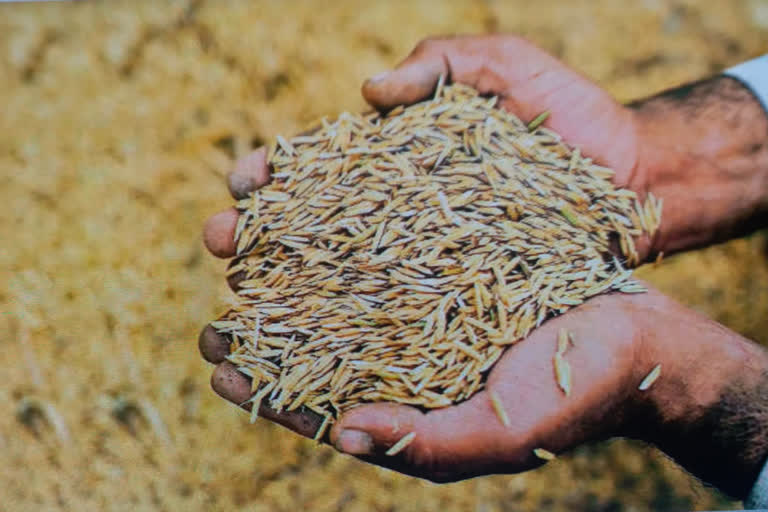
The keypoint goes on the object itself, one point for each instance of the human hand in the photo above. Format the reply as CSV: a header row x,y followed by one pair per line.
x,y
528,81
468,439
701,148
707,410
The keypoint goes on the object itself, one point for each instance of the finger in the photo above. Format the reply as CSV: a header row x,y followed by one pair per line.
x,y
250,173
412,81
469,60
527,80
235,387
214,347
219,233
449,444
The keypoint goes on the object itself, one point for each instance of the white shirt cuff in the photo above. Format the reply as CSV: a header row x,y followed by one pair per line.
x,y
754,75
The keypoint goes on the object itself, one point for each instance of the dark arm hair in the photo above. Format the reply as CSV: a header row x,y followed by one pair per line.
x,y
705,150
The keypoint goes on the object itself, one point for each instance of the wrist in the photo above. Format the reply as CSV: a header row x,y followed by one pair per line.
x,y
703,150
708,409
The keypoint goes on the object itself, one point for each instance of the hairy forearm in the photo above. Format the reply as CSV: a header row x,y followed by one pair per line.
x,y
709,408
704,151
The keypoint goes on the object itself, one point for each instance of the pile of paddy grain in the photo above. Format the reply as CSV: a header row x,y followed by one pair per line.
x,y
394,257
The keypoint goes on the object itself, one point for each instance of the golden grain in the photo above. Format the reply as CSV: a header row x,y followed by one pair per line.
x,y
323,427
401,444
498,408
538,121
394,257
650,378
562,373
544,454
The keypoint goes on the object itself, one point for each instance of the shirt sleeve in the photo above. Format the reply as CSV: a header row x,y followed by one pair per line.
x,y
758,496
754,75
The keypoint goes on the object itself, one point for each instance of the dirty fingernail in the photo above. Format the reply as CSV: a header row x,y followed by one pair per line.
x,y
354,442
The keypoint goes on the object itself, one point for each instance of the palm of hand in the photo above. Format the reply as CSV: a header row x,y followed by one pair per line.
x,y
469,439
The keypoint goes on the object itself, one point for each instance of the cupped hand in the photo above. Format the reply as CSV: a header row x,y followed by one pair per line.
x,y
468,439
527,81
608,360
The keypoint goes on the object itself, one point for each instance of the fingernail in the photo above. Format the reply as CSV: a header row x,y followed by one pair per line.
x,y
354,442
379,77
241,184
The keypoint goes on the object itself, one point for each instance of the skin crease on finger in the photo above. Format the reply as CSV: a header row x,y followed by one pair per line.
x,y
234,280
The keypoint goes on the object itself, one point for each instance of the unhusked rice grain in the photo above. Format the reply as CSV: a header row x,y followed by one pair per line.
x,y
394,257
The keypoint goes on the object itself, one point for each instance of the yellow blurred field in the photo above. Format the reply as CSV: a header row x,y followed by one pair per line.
x,y
118,123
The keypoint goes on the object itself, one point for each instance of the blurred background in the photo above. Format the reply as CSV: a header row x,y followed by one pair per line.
x,y
118,123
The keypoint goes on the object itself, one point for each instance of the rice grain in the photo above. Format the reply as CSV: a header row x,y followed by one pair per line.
x,y
401,444
498,408
544,454
393,257
650,378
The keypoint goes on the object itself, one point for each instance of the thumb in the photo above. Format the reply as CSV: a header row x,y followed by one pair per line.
x,y
441,445
375,428
413,80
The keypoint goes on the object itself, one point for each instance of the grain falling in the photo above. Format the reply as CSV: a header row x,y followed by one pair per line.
x,y
650,378
394,257
544,454
401,445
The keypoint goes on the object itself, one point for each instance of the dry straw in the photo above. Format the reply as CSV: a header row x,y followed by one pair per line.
x,y
394,257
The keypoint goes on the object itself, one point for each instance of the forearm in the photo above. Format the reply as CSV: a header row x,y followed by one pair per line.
x,y
709,408
704,151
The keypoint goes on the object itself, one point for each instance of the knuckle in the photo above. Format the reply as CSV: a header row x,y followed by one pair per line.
x,y
427,45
